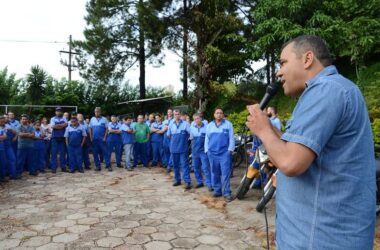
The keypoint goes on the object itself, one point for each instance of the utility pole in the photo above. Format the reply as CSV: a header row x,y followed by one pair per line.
x,y
69,65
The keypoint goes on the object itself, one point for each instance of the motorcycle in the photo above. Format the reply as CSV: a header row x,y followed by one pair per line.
x,y
252,175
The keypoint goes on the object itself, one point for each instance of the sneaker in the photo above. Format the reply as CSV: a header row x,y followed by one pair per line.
x,y
72,171
176,184
81,170
54,171
188,186
109,169
129,169
199,185
97,169
119,166
168,170
64,170
228,198
210,189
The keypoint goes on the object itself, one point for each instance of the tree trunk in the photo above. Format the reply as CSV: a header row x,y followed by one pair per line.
x,y
141,58
185,52
267,67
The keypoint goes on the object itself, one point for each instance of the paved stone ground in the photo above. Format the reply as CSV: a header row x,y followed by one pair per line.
x,y
124,210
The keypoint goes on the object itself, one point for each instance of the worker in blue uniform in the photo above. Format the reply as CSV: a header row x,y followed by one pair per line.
x,y
87,144
128,138
178,133
75,136
156,138
58,123
114,141
98,134
14,124
3,159
39,148
25,145
167,159
219,145
200,160
149,122
9,151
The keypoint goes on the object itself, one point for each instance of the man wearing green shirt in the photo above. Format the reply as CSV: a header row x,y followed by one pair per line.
x,y
140,150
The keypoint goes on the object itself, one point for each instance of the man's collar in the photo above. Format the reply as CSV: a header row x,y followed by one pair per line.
x,y
329,70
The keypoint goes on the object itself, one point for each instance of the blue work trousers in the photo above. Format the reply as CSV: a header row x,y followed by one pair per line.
x,y
201,164
3,164
140,153
58,146
39,159
157,152
11,161
86,156
181,164
117,146
75,157
25,155
99,148
221,172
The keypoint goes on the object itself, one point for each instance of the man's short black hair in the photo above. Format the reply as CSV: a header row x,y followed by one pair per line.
x,y
218,108
25,115
317,45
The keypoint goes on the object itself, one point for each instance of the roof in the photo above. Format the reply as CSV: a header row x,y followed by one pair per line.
x,y
146,100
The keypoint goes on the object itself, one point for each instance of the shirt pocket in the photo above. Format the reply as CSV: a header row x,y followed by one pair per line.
x,y
225,131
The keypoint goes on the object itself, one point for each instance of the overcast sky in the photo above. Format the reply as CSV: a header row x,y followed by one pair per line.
x,y
51,21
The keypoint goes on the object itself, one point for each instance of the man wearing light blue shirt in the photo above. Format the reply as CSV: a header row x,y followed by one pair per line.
x,y
128,139
200,160
86,146
75,135
58,124
114,140
272,114
219,145
98,134
156,138
14,124
167,158
178,132
326,181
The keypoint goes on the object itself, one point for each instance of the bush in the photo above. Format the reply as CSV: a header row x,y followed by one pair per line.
x,y
376,131
238,120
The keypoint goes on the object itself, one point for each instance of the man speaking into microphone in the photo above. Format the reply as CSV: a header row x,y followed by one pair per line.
x,y
326,183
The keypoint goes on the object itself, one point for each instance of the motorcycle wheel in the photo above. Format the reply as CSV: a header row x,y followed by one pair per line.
x,y
243,187
265,199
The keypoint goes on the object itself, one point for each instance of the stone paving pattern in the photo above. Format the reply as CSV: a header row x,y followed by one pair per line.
x,y
123,210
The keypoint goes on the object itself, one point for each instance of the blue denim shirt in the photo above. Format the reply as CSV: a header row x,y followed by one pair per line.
x,y
332,204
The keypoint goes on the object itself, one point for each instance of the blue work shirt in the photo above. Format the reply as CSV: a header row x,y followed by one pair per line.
x,y
14,123
75,135
155,137
10,135
127,138
198,136
219,139
112,137
58,133
2,133
167,123
179,137
38,143
99,127
332,204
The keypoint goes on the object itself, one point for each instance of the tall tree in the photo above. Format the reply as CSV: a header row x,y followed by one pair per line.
x,y
36,82
119,34
8,86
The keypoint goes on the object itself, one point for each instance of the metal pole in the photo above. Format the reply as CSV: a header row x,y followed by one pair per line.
x,y
69,59
6,109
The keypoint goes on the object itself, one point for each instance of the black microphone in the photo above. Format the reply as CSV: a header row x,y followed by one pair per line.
x,y
270,92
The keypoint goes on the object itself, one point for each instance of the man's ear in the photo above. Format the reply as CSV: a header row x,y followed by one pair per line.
x,y
308,59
